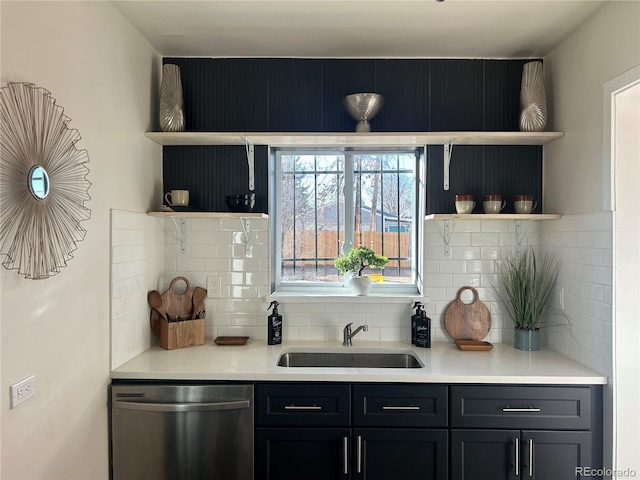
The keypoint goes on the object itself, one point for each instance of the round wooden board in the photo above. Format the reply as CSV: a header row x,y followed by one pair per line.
x,y
467,321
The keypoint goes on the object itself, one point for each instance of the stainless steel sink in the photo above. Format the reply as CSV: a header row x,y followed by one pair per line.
x,y
349,360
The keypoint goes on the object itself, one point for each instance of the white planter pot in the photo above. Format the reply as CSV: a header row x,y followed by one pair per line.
x,y
360,285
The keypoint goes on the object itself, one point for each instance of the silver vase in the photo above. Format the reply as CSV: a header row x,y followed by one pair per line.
x,y
533,102
171,103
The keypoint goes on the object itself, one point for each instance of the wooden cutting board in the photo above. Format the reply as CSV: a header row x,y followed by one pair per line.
x,y
467,321
179,306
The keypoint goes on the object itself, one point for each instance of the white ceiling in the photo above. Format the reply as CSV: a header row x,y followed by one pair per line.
x,y
356,28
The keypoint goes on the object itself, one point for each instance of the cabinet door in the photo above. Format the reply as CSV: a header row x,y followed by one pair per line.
x,y
485,455
397,453
302,453
555,455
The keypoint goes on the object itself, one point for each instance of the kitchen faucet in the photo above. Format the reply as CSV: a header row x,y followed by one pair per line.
x,y
347,335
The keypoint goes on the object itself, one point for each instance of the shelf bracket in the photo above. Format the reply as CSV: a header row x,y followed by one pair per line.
x,y
448,148
246,228
448,231
182,233
250,161
520,235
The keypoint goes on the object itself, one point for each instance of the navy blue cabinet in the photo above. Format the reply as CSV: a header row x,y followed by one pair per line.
x,y
524,432
302,432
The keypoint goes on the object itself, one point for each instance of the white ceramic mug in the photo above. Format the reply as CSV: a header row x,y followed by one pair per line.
x,y
524,204
493,204
465,204
178,198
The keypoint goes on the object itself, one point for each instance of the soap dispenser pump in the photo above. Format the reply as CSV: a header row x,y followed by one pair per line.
x,y
274,325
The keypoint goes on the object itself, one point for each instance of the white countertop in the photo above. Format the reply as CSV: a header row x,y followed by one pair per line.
x,y
443,363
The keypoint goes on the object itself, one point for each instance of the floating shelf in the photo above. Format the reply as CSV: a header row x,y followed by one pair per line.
x,y
382,139
208,214
496,216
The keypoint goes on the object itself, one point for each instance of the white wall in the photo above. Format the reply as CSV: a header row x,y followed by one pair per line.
x,y
606,46
104,75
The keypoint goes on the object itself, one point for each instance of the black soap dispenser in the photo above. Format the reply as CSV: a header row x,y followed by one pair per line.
x,y
414,318
274,325
423,328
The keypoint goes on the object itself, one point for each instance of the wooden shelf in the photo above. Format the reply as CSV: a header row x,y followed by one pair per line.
x,y
497,216
382,139
208,214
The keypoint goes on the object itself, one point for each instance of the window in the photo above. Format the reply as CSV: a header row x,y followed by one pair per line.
x,y
327,202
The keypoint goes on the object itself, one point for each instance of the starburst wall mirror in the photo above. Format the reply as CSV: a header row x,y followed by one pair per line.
x,y
43,183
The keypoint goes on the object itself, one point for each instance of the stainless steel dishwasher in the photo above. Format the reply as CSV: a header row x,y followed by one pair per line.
x,y
182,432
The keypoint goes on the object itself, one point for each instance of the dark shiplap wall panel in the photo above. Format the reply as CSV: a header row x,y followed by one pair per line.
x,y
305,95
225,95
466,176
405,87
513,170
212,172
295,95
502,95
341,78
456,95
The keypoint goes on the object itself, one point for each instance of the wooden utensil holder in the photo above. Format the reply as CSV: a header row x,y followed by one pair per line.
x,y
186,333
181,333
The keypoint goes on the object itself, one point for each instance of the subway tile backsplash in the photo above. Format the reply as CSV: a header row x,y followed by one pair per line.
x,y
217,247
137,263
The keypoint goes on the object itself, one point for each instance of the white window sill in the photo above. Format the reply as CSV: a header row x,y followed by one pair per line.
x,y
346,297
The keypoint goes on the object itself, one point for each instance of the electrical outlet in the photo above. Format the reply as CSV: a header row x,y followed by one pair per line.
x,y
213,287
22,390
558,300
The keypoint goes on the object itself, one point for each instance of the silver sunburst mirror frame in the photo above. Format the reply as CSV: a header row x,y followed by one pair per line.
x,y
43,184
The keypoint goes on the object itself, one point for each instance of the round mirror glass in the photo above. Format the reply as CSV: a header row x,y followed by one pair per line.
x,y
39,182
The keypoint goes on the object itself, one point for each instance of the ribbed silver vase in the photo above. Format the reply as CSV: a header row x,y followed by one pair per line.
x,y
533,102
171,103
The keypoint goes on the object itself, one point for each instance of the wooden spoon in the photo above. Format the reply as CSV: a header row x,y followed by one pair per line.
x,y
155,300
198,297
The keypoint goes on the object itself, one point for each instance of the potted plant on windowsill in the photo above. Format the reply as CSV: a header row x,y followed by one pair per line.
x,y
355,262
526,286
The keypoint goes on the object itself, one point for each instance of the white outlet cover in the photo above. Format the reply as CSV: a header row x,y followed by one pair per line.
x,y
23,390
213,287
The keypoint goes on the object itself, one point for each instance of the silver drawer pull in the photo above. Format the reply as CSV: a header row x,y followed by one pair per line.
x,y
391,407
527,409
302,407
345,454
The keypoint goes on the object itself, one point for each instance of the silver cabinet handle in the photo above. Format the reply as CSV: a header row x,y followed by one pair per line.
x,y
359,454
531,457
181,407
303,407
526,409
345,453
517,455
392,407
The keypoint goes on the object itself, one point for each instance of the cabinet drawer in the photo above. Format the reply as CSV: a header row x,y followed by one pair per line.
x,y
554,408
303,404
392,405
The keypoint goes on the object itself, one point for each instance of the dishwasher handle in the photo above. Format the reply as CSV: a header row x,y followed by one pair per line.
x,y
182,407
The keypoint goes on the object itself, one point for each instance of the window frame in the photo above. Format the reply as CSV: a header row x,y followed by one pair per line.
x,y
278,287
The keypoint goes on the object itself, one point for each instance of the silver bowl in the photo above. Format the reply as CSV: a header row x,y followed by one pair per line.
x,y
363,107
